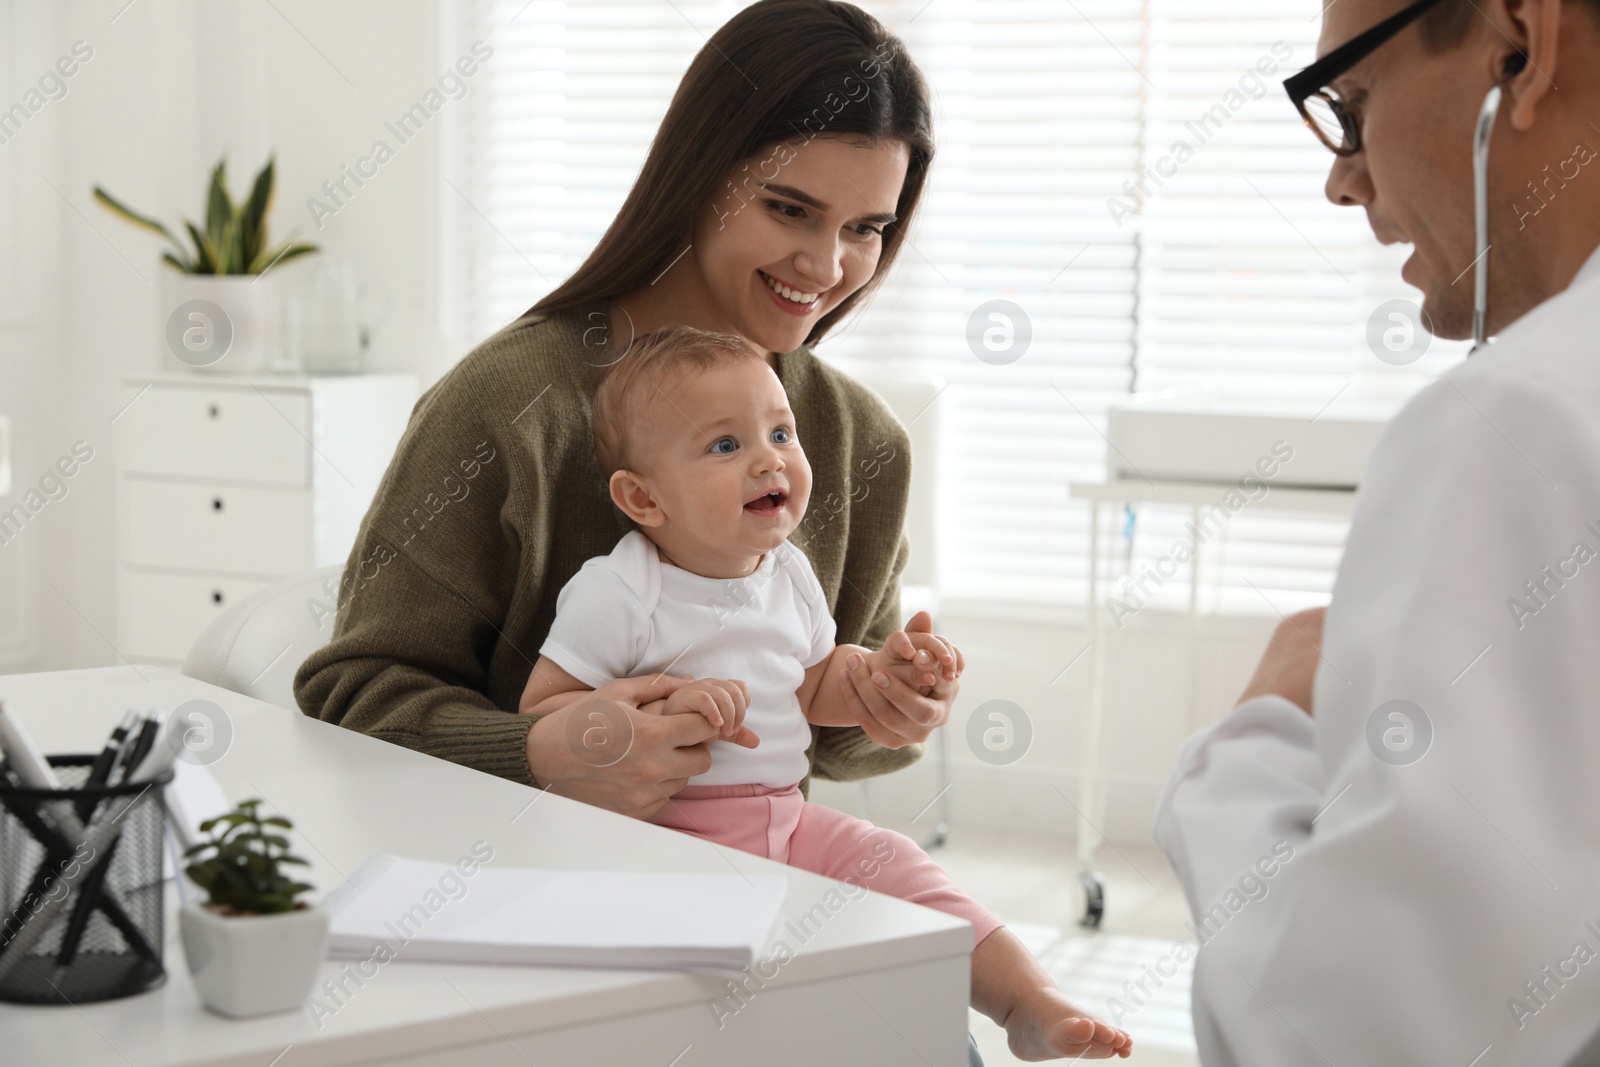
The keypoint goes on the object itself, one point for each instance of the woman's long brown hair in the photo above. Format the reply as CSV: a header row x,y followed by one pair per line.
x,y
778,72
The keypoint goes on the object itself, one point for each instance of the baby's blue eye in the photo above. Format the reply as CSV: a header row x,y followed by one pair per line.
x,y
782,436
716,446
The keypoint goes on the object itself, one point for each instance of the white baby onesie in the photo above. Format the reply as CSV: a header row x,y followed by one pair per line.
x,y
629,614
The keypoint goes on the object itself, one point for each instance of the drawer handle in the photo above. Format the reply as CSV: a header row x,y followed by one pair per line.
x,y
214,411
216,596
216,503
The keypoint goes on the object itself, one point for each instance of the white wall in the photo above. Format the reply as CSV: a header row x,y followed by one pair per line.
x,y
172,86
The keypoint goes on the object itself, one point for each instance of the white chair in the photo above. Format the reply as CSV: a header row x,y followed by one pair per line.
x,y
255,646
913,399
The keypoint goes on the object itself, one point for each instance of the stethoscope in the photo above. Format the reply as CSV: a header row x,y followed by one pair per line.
x,y
1480,203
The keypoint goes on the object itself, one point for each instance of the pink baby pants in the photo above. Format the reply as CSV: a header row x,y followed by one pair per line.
x,y
782,825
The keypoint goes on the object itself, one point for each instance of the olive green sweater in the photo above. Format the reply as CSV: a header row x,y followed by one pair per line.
x,y
494,499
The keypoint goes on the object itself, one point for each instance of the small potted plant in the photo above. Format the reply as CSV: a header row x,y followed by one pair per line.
x,y
252,947
224,268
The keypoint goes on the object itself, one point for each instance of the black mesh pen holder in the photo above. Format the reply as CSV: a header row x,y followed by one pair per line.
x,y
82,903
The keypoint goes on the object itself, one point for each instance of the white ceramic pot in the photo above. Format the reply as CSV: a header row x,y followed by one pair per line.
x,y
255,964
221,323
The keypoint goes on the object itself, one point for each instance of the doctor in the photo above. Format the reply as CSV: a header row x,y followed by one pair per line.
x,y
1392,845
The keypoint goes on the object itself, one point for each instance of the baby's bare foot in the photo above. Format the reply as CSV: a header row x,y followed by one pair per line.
x,y
1048,1026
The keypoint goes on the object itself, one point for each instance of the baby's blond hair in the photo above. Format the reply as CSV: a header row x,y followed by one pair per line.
x,y
633,381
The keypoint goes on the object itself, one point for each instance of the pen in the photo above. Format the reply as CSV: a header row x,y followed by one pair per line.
x,y
163,752
83,908
141,745
100,770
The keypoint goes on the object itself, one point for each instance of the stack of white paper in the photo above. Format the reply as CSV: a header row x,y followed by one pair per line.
x,y
431,911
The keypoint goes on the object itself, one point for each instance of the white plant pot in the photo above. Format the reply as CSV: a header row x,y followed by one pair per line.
x,y
220,323
255,964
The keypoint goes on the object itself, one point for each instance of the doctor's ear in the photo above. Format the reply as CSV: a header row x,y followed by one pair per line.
x,y
1526,74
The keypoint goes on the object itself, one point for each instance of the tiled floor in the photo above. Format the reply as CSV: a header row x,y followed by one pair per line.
x,y
1029,883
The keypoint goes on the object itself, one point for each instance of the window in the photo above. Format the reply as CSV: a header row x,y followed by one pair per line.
x,y
1059,186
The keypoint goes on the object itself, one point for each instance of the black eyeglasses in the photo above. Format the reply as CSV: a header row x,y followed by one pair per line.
x,y
1334,121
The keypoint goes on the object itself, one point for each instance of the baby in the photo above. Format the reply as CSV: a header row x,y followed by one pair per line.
x,y
695,434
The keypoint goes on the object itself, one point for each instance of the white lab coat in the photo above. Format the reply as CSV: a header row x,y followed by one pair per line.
x,y
1425,896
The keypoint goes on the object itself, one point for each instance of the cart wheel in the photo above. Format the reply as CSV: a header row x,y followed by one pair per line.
x,y
1094,901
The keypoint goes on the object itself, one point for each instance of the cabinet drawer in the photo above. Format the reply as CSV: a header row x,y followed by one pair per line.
x,y
204,431
162,614
200,527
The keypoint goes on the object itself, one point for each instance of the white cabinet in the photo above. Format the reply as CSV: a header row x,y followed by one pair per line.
x,y
226,485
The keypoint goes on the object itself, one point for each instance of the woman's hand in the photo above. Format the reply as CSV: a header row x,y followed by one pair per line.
x,y
603,750
892,712
1288,667
642,690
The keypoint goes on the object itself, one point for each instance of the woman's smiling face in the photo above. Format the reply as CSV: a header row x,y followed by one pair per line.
x,y
806,217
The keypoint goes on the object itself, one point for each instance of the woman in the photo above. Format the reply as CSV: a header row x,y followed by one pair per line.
x,y
768,208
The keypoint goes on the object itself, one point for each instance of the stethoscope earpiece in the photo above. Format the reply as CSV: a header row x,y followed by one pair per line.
x,y
1514,65
1480,191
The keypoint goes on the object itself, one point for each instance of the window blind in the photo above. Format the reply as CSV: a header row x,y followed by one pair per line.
x,y
1232,275
1251,283
1037,120
572,97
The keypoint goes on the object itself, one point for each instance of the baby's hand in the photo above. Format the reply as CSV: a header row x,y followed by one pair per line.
x,y
723,703
910,674
919,660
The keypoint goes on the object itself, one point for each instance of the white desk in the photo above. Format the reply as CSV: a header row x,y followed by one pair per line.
x,y
882,982
1091,759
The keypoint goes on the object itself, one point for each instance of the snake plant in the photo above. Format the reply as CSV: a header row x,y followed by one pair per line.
x,y
234,240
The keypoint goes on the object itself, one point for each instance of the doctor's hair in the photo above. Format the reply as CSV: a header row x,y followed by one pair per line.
x,y
1447,24
779,72
652,364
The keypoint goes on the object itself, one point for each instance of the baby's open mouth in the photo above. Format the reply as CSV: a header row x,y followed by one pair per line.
x,y
768,503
